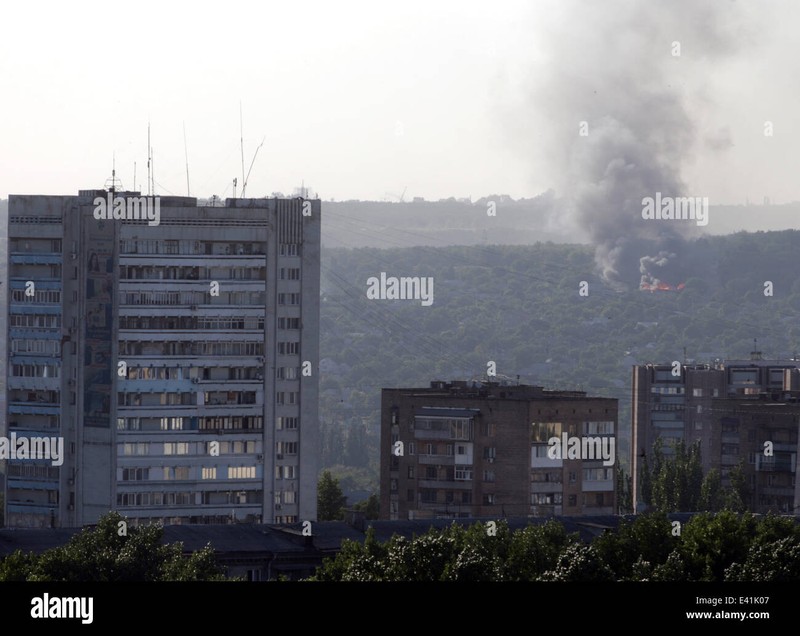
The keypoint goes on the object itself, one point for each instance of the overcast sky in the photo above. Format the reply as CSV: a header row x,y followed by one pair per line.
x,y
368,100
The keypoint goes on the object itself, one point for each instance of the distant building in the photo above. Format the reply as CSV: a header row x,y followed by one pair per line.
x,y
731,409
463,449
175,353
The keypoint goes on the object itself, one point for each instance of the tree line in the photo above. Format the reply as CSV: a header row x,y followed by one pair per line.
x,y
724,546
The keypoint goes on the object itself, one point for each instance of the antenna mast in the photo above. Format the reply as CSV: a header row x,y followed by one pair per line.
x,y
149,182
241,144
244,185
186,154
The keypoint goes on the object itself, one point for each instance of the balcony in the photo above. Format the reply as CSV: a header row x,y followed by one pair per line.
x,y
786,466
445,484
39,408
444,460
28,258
436,435
606,485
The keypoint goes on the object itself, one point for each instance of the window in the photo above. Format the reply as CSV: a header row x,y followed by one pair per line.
x,y
139,448
410,495
543,431
176,448
289,472
466,497
287,397
463,473
546,498
487,429
598,474
286,448
241,472
393,485
488,475
286,423
572,500
539,450
288,299
288,348
290,273
549,476
488,452
290,497
287,373
488,499
598,428
135,474
288,323
171,473
209,472
411,472
461,429
430,472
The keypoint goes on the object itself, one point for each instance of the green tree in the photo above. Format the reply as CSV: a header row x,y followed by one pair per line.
x,y
711,543
579,562
737,497
677,480
371,507
624,492
111,551
777,561
711,494
646,539
330,499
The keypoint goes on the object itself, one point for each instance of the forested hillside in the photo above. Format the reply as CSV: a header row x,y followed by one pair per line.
x,y
520,307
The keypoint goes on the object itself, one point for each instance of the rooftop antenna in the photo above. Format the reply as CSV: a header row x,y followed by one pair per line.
x,y
244,185
113,181
186,154
149,168
755,354
241,142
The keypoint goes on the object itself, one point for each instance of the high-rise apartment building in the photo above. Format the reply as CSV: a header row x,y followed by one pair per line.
x,y
173,347
731,409
483,449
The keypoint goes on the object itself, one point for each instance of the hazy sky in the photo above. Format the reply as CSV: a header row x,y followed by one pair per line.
x,y
367,99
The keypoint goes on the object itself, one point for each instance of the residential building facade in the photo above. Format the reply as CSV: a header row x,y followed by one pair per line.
x,y
483,449
703,404
177,359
